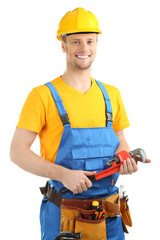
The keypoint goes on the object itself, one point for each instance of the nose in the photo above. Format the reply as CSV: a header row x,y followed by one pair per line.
x,y
84,46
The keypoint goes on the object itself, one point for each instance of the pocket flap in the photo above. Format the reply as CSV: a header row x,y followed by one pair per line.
x,y
92,152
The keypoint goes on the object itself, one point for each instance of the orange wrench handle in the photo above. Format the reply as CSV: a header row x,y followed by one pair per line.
x,y
113,169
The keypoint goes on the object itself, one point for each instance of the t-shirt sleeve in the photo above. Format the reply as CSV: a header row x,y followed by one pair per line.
x,y
32,116
121,120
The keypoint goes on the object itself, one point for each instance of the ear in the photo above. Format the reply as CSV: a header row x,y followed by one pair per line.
x,y
63,46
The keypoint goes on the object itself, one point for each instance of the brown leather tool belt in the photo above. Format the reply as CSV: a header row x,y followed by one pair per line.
x,y
71,208
111,204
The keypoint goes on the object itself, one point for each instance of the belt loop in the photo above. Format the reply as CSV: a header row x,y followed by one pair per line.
x,y
50,192
51,195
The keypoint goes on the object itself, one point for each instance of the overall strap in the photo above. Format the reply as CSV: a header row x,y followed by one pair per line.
x,y
62,112
109,117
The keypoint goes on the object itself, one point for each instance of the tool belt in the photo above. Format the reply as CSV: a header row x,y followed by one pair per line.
x,y
77,215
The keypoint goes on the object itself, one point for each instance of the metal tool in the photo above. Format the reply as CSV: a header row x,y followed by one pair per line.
x,y
101,213
115,164
122,194
121,191
68,236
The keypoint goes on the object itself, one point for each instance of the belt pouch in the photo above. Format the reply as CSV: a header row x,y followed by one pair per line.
x,y
91,229
77,220
125,212
111,205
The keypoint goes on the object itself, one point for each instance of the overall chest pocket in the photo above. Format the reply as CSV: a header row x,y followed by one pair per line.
x,y
92,157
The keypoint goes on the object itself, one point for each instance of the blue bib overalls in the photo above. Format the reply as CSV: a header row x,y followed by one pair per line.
x,y
86,149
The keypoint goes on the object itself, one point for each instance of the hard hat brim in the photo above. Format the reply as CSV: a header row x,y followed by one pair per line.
x,y
59,36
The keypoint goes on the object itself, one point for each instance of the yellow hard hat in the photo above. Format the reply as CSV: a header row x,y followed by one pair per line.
x,y
77,21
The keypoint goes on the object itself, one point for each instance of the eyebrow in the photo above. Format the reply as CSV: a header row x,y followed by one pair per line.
x,y
77,39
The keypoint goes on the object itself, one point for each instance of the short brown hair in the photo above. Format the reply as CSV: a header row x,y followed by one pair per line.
x,y
64,38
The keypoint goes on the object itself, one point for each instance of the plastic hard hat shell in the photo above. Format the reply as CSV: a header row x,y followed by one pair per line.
x,y
77,21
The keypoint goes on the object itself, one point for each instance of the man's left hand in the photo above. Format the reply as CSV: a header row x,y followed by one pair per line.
x,y
129,166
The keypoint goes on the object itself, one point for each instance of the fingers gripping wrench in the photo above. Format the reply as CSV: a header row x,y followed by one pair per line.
x,y
115,164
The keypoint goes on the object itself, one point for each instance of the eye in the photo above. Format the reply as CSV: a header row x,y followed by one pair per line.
x,y
91,42
76,42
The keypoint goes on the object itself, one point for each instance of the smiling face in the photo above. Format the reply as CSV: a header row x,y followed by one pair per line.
x,y
80,50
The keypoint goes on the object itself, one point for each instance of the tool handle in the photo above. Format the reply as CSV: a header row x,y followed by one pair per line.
x,y
68,235
63,190
140,152
92,178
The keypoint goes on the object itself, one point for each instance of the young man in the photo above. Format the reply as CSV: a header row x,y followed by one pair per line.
x,y
80,125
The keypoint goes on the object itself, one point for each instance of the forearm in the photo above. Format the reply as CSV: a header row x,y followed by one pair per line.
x,y
26,159
123,146
123,143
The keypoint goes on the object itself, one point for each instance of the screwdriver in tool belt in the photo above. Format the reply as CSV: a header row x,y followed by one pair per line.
x,y
95,206
101,213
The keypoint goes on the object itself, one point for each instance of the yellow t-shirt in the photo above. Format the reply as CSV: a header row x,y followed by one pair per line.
x,y
40,114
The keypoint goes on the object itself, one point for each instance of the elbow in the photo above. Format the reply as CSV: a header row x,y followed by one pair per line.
x,y
14,153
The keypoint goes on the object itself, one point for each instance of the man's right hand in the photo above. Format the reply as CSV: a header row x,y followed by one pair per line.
x,y
77,180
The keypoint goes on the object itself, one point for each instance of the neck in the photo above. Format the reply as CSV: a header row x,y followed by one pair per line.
x,y
80,80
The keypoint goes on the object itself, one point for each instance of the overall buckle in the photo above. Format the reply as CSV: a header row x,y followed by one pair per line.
x,y
65,119
109,117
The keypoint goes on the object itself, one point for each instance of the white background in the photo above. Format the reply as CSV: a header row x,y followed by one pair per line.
x,y
128,57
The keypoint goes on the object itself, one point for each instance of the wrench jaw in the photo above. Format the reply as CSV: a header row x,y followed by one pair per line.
x,y
123,155
140,152
115,159
119,158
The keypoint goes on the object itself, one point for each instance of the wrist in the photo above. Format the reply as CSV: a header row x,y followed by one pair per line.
x,y
59,173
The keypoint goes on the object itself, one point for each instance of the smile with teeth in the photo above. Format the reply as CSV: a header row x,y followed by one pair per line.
x,y
83,56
